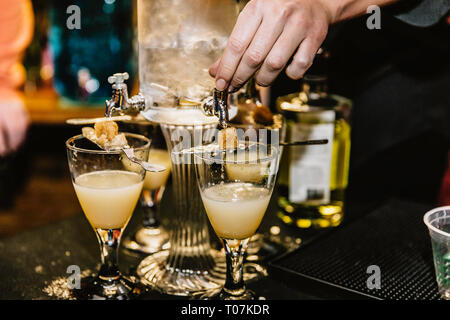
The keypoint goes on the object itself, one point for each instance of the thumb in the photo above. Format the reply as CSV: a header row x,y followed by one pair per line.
x,y
213,68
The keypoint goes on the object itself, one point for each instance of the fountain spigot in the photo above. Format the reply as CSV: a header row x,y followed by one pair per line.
x,y
217,105
119,99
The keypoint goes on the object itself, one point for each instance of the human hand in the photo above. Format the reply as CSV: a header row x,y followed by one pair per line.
x,y
266,35
14,123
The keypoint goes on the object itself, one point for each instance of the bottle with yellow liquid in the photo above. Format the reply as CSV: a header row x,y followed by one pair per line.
x,y
313,178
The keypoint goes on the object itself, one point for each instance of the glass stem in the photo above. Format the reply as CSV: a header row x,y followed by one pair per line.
x,y
109,243
235,250
149,203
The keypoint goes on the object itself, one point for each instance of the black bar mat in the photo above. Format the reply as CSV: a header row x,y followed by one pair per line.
x,y
392,237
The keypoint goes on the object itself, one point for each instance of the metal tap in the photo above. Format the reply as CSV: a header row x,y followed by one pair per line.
x,y
217,105
119,100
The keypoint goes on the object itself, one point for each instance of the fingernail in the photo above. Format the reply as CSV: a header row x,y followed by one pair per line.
x,y
221,84
231,89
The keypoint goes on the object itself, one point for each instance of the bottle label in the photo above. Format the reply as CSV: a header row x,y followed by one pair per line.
x,y
310,166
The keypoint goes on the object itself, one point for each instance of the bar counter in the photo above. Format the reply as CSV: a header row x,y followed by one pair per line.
x,y
32,261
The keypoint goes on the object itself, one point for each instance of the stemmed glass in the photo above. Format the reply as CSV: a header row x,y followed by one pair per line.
x,y
236,185
151,236
108,186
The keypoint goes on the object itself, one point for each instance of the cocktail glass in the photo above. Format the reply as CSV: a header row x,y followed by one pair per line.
x,y
235,187
151,236
108,186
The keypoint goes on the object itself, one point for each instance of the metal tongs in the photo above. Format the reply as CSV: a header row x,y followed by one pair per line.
x,y
217,105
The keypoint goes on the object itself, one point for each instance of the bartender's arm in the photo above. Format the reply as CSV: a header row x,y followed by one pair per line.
x,y
269,32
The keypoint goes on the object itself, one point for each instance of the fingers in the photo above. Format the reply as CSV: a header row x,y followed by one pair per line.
x,y
281,52
263,41
213,69
304,56
23,121
246,26
3,144
5,147
13,127
265,37
16,128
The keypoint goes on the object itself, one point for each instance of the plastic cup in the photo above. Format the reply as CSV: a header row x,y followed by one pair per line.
x,y
438,223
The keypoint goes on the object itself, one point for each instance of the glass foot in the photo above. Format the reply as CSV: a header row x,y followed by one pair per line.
x,y
265,247
254,271
155,272
94,288
148,240
261,249
221,294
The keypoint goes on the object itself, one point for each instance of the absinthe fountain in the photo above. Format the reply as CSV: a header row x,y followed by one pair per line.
x,y
178,41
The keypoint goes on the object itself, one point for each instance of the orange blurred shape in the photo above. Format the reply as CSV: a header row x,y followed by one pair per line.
x,y
16,31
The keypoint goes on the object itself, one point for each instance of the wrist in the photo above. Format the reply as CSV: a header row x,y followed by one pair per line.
x,y
340,10
333,9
